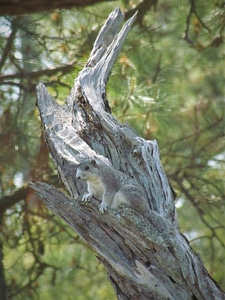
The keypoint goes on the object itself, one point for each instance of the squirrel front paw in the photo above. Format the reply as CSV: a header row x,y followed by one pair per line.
x,y
86,198
102,207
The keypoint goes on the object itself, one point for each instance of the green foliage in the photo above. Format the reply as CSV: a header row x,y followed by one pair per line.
x,y
168,84
46,259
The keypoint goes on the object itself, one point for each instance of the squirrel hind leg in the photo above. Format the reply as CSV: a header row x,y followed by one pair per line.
x,y
135,198
118,199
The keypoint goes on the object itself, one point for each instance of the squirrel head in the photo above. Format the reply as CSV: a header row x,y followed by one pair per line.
x,y
87,170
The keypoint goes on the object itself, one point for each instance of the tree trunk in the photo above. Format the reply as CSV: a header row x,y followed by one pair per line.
x,y
145,257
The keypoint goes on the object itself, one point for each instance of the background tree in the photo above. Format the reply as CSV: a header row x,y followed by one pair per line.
x,y
176,93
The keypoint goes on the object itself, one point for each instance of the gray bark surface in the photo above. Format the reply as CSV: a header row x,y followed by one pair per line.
x,y
145,257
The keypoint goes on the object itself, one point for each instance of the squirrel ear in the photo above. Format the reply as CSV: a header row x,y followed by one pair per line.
x,y
93,162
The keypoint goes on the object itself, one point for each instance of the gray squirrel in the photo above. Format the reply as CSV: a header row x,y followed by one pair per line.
x,y
110,186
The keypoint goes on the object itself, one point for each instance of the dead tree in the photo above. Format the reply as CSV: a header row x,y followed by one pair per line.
x,y
145,257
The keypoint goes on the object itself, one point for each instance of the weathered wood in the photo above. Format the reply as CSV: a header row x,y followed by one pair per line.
x,y
145,257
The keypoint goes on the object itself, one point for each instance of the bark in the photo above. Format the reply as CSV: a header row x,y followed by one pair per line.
x,y
145,257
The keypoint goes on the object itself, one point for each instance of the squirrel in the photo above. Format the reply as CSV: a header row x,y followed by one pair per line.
x,y
110,186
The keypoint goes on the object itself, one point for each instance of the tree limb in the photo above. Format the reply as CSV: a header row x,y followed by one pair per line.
x,y
38,73
146,257
8,201
8,46
15,7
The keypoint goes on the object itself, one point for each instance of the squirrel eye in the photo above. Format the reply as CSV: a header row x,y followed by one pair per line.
x,y
86,168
